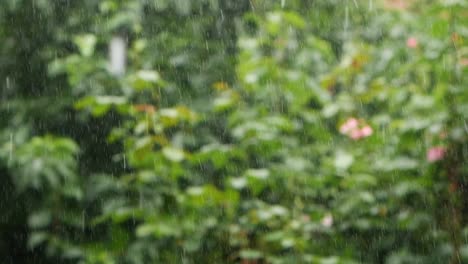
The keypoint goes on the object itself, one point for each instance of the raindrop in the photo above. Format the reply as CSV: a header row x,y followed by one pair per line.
x,y
83,221
140,200
10,156
346,22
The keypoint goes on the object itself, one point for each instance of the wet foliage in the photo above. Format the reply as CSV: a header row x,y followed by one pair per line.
x,y
234,131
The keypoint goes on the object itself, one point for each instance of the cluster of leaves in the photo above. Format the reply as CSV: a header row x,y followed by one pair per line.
x,y
296,132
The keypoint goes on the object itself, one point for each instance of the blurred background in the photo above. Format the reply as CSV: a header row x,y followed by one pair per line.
x,y
247,131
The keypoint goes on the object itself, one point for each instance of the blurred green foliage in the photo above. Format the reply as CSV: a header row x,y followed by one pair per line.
x,y
241,132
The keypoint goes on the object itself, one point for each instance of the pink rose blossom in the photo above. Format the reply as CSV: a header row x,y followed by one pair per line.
x,y
349,125
327,220
464,62
356,134
366,131
355,129
396,4
412,42
435,153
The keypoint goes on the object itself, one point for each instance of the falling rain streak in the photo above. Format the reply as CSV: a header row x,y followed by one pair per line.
x,y
221,131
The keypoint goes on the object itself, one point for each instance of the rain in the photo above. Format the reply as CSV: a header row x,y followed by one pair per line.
x,y
247,131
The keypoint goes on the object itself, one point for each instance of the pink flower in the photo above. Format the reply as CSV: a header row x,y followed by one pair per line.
x,y
327,220
366,131
396,4
355,129
463,62
435,153
349,125
356,134
412,42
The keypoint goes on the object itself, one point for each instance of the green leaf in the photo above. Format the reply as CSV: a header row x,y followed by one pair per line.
x,y
261,174
343,160
173,154
36,239
86,44
40,219
238,183
250,254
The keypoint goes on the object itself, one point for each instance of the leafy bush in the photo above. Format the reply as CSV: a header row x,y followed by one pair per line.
x,y
330,133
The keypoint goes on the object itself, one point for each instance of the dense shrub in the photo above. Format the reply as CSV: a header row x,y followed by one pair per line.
x,y
255,132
